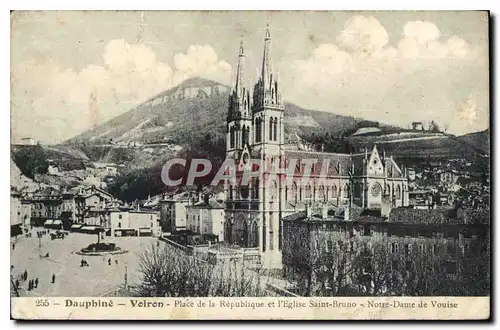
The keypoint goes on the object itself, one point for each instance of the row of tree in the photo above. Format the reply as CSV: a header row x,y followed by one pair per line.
x,y
370,268
167,272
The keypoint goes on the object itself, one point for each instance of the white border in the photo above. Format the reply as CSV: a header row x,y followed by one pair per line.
x,y
492,5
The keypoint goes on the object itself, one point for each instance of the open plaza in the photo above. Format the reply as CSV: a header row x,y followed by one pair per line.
x,y
104,274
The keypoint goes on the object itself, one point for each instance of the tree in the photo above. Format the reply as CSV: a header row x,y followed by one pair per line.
x,y
31,160
168,272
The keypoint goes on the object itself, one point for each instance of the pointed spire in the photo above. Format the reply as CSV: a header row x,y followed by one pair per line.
x,y
242,53
266,65
240,74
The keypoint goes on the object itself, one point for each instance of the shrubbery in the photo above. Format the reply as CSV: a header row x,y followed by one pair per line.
x,y
95,247
166,272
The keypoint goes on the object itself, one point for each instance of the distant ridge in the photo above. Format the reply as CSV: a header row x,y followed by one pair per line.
x,y
194,108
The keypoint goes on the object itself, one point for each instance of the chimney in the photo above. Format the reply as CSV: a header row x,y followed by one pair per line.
x,y
386,206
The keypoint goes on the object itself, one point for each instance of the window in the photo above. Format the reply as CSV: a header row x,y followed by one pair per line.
x,y
367,231
256,189
407,249
394,248
275,129
119,224
398,192
334,191
308,191
329,246
271,243
270,128
321,192
357,190
119,216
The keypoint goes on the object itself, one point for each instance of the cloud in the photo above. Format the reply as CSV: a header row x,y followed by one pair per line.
x,y
363,34
364,75
422,40
73,101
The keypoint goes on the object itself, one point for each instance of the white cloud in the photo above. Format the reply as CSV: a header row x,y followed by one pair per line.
x,y
419,75
422,40
51,95
363,34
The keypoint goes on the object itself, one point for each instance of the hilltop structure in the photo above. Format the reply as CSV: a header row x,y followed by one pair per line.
x,y
255,130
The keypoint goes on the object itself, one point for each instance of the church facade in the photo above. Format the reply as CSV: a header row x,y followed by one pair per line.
x,y
255,131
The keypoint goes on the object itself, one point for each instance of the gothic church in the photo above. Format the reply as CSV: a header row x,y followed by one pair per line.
x,y
255,129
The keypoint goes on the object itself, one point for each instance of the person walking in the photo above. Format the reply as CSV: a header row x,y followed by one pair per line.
x,y
25,275
109,261
53,278
36,283
17,284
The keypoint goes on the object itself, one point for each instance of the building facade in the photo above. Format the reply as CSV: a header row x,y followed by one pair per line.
x,y
410,252
124,222
206,218
255,131
173,212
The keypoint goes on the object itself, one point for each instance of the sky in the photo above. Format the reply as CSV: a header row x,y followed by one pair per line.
x,y
391,66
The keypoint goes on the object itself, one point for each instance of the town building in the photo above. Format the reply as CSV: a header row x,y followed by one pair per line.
x,y
421,199
28,141
173,211
126,222
45,205
389,246
90,204
206,218
255,130
16,220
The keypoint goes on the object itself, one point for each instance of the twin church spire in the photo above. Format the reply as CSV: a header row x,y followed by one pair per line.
x,y
266,91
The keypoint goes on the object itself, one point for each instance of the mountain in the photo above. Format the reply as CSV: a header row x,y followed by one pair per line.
x,y
192,110
477,140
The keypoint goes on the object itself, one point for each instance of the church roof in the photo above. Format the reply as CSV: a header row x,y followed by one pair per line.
x,y
335,161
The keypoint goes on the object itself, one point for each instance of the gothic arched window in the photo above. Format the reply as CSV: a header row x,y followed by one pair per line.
x,y
398,192
294,192
231,137
357,190
346,191
273,190
334,190
308,191
275,129
230,188
321,192
256,189
270,128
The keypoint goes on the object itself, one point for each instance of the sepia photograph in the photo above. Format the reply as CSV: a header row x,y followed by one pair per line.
x,y
312,159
